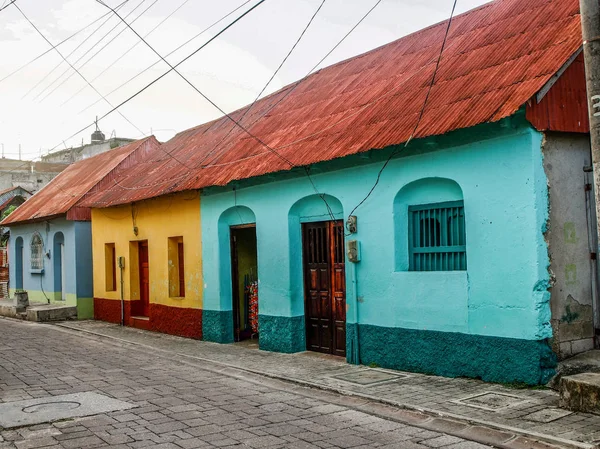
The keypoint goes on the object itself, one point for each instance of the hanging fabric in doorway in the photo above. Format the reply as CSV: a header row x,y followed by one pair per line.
x,y
253,306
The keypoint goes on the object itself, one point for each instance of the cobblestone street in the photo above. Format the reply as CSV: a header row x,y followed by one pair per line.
x,y
180,405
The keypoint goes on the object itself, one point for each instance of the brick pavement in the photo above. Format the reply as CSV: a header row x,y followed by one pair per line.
x,y
436,395
189,404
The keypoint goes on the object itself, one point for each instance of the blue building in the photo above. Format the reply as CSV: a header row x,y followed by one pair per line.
x,y
352,216
50,247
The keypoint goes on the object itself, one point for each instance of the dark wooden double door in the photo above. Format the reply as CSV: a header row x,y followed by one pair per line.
x,y
325,287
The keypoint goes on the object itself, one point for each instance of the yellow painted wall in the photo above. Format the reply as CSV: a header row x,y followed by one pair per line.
x,y
157,220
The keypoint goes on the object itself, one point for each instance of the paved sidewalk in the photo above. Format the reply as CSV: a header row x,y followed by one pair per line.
x,y
532,412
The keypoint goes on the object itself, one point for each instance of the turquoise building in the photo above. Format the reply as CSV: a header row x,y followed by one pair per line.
x,y
462,309
361,213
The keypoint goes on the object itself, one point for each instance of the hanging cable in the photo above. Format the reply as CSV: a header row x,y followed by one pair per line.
x,y
57,45
56,87
310,72
6,6
247,109
221,110
167,72
168,54
79,73
416,127
61,61
127,51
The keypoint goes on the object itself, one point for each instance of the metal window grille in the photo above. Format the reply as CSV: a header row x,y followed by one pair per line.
x,y
37,253
436,237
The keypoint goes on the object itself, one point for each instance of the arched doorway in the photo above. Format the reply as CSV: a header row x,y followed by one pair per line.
x,y
59,266
19,263
237,227
321,237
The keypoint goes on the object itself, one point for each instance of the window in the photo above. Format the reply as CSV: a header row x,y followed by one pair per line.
x,y
436,237
176,267
110,267
37,252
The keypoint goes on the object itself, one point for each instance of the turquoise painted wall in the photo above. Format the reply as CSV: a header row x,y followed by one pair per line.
x,y
76,237
496,169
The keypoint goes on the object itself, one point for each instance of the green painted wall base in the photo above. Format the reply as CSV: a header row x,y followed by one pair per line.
x,y
217,326
281,333
85,308
450,354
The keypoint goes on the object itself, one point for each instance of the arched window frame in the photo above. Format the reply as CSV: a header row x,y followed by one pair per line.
x,y
437,238
37,252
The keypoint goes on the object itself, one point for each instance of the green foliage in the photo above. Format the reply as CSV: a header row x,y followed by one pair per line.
x,y
9,210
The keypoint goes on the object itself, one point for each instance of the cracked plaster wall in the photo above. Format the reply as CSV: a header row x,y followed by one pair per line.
x,y
565,155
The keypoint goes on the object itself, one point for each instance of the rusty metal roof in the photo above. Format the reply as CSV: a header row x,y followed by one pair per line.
x,y
64,191
496,58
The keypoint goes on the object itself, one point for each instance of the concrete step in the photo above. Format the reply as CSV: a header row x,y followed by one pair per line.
x,y
580,393
51,313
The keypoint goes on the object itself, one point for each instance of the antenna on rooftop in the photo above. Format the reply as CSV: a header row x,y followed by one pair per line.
x,y
98,136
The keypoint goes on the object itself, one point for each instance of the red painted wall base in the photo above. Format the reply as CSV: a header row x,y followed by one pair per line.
x,y
168,320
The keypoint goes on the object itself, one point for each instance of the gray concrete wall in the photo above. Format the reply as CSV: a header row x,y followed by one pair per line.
x,y
565,155
32,176
71,155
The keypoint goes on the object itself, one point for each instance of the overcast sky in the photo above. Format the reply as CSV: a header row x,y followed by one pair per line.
x,y
39,110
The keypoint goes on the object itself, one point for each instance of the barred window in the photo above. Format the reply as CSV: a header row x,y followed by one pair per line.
x,y
37,252
437,240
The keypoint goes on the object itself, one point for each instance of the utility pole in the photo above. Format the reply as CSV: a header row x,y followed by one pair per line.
x,y
19,151
590,25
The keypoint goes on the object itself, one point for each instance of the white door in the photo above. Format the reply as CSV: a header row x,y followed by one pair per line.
x,y
63,294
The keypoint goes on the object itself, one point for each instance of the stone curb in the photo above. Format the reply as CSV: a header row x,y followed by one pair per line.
x,y
481,431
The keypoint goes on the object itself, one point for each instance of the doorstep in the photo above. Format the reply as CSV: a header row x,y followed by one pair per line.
x,y
140,322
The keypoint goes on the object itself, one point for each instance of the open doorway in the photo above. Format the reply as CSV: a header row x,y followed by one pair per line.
x,y
244,275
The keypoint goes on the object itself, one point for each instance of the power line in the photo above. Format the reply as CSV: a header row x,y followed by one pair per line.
x,y
168,54
237,19
79,73
416,127
127,52
310,72
90,49
59,64
221,110
57,45
247,110
6,6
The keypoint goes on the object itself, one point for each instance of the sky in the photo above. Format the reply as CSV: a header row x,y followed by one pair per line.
x,y
43,105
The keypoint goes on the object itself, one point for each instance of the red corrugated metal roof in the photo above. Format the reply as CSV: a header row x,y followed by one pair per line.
x,y
564,107
61,194
497,57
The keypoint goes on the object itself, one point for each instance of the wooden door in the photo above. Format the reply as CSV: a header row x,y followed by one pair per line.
x,y
63,277
324,287
144,279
